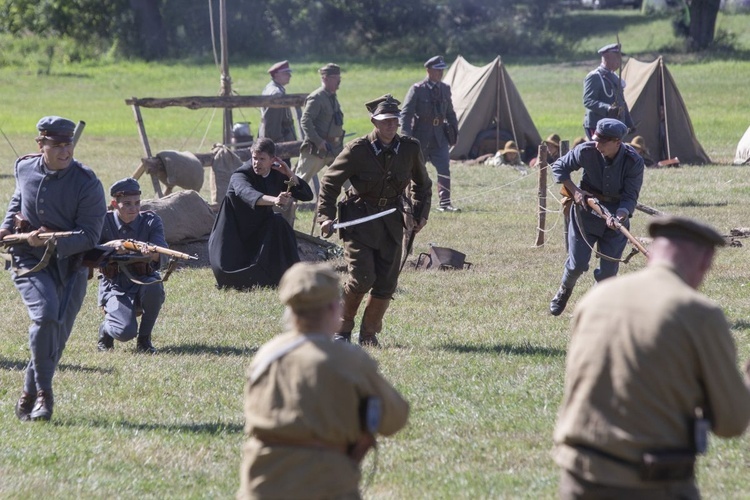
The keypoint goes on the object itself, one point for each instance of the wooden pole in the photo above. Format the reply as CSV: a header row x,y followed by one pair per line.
x,y
226,80
146,149
542,193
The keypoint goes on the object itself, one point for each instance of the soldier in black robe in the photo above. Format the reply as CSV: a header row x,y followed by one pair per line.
x,y
250,244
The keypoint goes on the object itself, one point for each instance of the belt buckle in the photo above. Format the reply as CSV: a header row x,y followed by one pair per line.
x,y
435,122
382,202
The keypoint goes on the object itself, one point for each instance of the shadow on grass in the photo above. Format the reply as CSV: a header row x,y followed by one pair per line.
x,y
694,203
211,428
524,349
740,324
217,350
14,365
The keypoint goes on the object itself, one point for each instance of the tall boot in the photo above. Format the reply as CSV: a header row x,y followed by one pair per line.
x,y
350,306
372,321
444,194
143,344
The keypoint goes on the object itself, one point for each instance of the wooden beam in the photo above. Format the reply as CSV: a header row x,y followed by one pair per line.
x,y
146,147
283,150
232,101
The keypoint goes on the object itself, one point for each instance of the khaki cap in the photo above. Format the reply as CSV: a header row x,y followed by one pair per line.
x,y
510,147
674,226
307,286
330,69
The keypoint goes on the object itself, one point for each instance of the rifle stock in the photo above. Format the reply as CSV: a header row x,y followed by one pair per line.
x,y
135,246
602,211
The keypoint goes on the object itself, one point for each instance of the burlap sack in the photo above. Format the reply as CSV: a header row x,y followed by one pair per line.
x,y
185,214
181,168
224,164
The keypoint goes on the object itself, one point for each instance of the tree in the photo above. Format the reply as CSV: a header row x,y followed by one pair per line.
x,y
702,24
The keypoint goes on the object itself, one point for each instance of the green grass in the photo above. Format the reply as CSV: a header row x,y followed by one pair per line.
x,y
475,352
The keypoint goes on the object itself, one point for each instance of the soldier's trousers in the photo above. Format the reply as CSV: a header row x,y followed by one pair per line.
x,y
607,241
120,311
53,305
440,158
373,270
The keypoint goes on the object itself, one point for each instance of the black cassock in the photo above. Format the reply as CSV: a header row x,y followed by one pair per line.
x,y
250,245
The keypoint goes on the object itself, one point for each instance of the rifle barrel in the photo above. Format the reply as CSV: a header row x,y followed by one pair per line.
x,y
597,207
135,247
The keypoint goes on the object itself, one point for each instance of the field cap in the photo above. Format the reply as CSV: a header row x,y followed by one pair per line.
x,y
306,286
510,147
609,128
615,48
554,139
674,226
436,62
56,128
330,69
125,187
279,67
384,107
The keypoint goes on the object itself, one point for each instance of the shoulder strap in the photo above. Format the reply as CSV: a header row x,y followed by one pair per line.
x,y
262,364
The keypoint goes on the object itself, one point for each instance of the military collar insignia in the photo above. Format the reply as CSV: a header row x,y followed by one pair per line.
x,y
377,146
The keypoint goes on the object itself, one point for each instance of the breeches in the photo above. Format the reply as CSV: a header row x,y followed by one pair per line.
x,y
608,242
52,305
373,270
440,157
120,311
310,164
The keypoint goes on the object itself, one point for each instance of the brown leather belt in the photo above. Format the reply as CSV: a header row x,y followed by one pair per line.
x,y
305,443
380,202
598,195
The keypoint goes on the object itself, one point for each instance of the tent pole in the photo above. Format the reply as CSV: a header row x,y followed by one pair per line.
x,y
664,104
507,103
226,80
497,109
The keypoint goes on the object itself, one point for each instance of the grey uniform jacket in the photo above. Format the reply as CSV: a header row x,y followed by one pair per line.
x,y
276,123
601,88
425,110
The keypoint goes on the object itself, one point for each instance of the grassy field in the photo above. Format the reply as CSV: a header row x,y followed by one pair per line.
x,y
475,352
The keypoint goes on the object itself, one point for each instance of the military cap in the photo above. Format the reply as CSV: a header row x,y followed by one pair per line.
x,y
306,286
436,62
56,128
553,139
674,226
609,128
330,69
125,187
282,66
384,107
615,48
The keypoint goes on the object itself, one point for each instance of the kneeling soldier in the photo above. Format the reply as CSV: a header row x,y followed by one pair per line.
x,y
132,286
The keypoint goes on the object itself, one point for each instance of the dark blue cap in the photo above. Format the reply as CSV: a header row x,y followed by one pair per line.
x,y
56,128
125,187
609,128
436,62
612,47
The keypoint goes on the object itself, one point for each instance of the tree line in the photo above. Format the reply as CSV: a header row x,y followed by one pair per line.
x,y
160,29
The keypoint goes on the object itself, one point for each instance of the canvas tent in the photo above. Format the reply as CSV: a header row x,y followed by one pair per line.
x,y
485,99
668,134
742,157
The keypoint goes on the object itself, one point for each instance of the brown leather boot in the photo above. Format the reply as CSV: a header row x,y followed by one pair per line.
x,y
372,321
43,406
349,308
24,406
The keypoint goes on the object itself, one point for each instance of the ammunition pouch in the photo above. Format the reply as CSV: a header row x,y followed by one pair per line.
x,y
450,133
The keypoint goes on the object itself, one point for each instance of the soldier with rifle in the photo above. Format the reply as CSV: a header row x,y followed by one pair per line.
x,y
130,284
379,166
613,174
54,193
603,95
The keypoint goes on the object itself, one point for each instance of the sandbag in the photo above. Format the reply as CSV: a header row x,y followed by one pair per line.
x,y
224,164
186,216
181,168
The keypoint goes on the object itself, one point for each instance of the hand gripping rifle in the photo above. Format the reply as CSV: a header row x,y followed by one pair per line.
x,y
605,214
140,247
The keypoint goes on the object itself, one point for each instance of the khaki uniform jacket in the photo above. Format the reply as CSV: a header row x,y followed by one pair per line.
x,y
377,174
323,120
636,371
276,123
312,393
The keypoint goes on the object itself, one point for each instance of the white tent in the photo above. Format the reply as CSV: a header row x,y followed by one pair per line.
x,y
742,157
